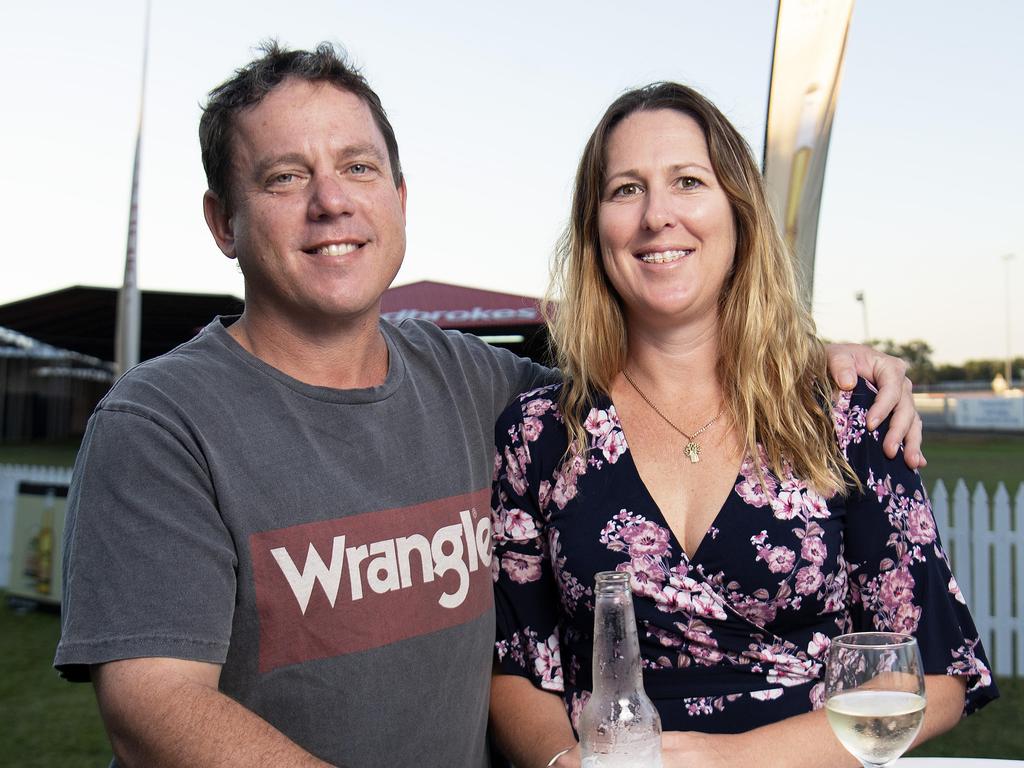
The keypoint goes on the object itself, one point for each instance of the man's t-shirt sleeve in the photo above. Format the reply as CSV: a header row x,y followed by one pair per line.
x,y
148,564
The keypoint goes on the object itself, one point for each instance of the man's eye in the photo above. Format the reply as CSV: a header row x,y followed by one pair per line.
x,y
282,178
359,169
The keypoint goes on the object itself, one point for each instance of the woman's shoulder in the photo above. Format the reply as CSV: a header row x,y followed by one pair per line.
x,y
850,411
540,404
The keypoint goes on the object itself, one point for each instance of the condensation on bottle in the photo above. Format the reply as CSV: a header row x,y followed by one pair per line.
x,y
619,726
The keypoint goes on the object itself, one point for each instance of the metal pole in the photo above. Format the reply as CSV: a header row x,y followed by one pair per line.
x,y
859,296
1007,258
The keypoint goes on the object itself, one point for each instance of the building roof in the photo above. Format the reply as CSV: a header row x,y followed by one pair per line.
x,y
82,318
55,361
456,306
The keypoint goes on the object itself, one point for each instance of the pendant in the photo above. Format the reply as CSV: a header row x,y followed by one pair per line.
x,y
693,451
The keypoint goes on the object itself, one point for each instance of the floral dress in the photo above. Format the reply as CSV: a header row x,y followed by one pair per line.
x,y
735,634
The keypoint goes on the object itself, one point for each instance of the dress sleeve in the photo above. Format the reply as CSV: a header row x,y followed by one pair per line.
x,y
525,590
899,575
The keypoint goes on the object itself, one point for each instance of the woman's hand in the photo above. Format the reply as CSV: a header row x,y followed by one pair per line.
x,y
895,395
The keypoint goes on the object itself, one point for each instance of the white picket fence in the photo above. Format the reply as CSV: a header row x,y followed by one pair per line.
x,y
10,476
985,542
984,539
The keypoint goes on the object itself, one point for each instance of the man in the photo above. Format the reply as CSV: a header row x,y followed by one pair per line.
x,y
278,542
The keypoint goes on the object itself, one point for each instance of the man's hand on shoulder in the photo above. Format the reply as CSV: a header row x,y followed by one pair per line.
x,y
895,395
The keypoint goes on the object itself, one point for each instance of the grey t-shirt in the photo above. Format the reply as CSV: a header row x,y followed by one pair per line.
x,y
330,548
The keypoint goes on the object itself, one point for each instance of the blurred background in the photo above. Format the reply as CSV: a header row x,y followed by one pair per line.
x,y
920,244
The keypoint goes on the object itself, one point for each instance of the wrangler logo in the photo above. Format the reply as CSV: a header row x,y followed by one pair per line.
x,y
362,581
391,565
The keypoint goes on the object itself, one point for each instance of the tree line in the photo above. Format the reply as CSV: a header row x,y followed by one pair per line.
x,y
923,370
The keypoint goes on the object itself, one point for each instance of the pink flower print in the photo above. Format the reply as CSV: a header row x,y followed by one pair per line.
x,y
579,701
701,646
495,569
792,483
548,664
787,505
643,579
906,618
841,422
598,423
532,427
817,696
612,446
835,597
756,611
813,550
647,538
522,569
779,559
815,505
819,645
497,466
809,580
768,694
544,493
538,407
665,637
689,596
514,471
954,590
790,670
880,487
564,490
517,525
897,588
577,464
920,524
752,493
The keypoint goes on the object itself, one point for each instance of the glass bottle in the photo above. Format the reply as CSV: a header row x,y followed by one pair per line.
x,y
619,726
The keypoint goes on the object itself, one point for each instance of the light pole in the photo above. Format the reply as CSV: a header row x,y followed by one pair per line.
x,y
859,296
1007,258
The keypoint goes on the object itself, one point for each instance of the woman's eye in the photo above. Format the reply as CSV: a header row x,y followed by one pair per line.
x,y
690,182
627,190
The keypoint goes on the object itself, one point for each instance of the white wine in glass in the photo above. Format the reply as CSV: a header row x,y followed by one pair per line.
x,y
874,694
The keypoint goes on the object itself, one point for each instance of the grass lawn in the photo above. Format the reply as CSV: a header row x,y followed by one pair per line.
x,y
48,722
47,454
984,458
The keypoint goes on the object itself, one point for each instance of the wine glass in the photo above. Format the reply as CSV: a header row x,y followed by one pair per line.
x,y
874,694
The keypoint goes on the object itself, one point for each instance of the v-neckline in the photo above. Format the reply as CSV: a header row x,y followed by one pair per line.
x,y
689,558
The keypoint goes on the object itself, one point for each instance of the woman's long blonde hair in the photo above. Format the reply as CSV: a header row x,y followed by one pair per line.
x,y
772,366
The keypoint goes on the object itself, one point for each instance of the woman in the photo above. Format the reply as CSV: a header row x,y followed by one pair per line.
x,y
697,445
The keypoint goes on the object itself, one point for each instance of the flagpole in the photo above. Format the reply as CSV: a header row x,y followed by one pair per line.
x,y
129,303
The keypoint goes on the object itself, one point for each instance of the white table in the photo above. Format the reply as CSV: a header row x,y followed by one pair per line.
x,y
955,762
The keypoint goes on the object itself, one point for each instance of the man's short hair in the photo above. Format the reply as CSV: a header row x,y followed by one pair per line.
x,y
251,83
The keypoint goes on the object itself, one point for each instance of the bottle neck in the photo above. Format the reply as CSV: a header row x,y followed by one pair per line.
x,y
616,647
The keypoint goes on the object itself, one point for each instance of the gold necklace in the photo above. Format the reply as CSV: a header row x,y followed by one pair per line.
x,y
692,448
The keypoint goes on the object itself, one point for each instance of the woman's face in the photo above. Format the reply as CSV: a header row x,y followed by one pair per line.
x,y
668,238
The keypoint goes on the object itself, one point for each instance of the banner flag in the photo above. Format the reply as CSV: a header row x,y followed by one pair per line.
x,y
810,42
127,333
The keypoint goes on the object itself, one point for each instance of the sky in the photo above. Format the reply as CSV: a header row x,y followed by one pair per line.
x,y
492,103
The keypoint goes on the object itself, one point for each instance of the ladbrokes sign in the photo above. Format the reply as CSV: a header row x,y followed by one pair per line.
x,y
339,586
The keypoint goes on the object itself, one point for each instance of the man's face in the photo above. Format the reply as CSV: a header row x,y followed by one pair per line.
x,y
317,226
